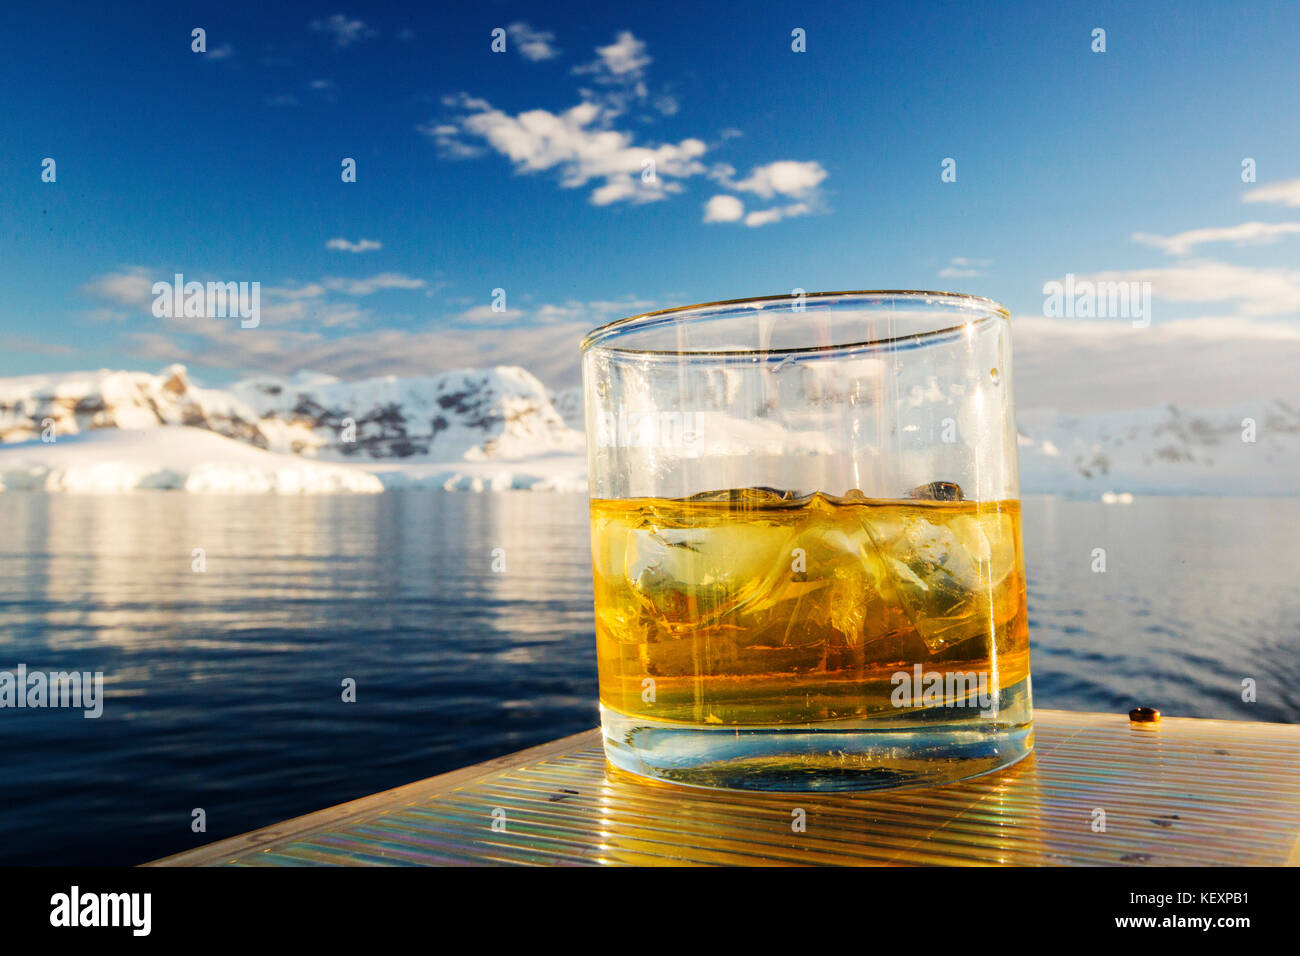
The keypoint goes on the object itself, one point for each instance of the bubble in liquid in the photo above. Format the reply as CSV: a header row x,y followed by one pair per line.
x,y
993,374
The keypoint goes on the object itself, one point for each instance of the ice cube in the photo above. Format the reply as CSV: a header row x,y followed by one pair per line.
x,y
945,573
697,574
937,491
935,577
756,496
990,540
842,559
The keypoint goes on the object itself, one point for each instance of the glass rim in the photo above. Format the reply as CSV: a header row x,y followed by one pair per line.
x,y
991,309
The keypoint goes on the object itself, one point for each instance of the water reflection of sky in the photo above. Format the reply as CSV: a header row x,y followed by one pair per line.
x,y
1198,594
223,687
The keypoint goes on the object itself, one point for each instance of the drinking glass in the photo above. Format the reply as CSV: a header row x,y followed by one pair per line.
x,y
806,546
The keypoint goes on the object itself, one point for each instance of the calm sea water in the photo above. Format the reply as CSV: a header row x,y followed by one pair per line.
x,y
223,688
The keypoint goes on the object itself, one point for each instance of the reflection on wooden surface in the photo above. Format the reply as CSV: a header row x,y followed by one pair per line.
x,y
1098,790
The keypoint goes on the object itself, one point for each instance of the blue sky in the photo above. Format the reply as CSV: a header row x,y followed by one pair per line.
x,y
479,170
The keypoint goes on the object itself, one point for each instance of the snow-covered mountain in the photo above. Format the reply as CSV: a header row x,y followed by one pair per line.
x,y
469,414
73,402
1248,449
500,428
568,402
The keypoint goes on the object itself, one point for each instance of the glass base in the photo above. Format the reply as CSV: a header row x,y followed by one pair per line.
x,y
919,748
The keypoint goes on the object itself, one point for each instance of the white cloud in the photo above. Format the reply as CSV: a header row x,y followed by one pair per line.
x,y
532,44
1090,365
323,304
131,287
384,280
1096,364
34,346
361,245
544,340
1287,193
311,290
223,52
764,217
584,145
723,208
580,145
446,137
549,352
960,267
344,32
786,177
667,105
1259,291
1248,233
485,313
590,314
623,60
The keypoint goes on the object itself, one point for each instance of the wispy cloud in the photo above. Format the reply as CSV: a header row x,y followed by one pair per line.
x,y
960,267
589,314
764,217
485,313
1256,291
1248,233
361,245
542,338
327,90
223,52
623,60
1287,193
785,177
580,144
342,30
131,286
1090,365
385,280
326,303
549,352
532,44
34,346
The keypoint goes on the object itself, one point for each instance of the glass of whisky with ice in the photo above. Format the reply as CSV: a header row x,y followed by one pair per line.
x,y
806,546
